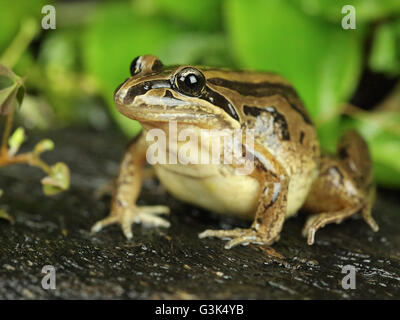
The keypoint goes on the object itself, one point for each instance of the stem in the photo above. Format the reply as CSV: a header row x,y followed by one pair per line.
x,y
7,131
27,32
29,158
29,29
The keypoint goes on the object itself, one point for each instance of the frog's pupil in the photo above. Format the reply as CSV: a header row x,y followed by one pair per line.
x,y
189,83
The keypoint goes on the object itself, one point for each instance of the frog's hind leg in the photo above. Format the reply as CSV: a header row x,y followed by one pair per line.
x,y
343,188
127,187
355,157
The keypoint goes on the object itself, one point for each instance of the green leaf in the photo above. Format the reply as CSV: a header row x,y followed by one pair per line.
x,y
323,61
20,95
13,12
11,94
58,180
382,132
63,83
4,215
198,48
385,52
9,103
8,84
200,14
5,82
15,141
366,10
121,32
44,145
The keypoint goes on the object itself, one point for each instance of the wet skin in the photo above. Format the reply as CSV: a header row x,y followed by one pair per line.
x,y
289,171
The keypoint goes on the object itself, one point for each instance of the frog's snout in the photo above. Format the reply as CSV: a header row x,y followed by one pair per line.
x,y
119,97
120,93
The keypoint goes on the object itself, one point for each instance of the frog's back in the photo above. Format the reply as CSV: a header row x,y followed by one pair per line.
x,y
267,103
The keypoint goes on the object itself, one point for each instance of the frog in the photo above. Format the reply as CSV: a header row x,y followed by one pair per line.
x,y
290,172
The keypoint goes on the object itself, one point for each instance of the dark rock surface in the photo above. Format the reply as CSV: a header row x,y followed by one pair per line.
x,y
173,263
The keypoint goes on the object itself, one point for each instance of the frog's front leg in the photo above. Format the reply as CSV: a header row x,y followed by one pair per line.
x,y
123,206
271,209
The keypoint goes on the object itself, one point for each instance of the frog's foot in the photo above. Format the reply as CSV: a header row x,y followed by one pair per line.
x,y
126,216
318,221
238,236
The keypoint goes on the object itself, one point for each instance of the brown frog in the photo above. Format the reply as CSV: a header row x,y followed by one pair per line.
x,y
289,171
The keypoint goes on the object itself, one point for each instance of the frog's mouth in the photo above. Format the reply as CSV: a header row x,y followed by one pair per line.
x,y
152,108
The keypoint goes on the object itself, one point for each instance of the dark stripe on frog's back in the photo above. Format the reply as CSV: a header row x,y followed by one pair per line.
x,y
264,89
255,89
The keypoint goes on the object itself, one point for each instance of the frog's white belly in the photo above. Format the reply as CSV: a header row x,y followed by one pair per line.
x,y
213,188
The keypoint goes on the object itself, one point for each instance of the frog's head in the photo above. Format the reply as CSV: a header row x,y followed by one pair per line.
x,y
156,93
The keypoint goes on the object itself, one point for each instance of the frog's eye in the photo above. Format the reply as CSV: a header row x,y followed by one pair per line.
x,y
135,66
190,81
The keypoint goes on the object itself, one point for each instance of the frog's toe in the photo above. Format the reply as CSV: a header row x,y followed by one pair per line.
x,y
151,219
112,219
318,221
312,225
103,223
146,215
310,235
367,216
236,236
222,234
155,210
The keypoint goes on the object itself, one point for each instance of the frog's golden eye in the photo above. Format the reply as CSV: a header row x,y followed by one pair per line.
x,y
135,67
190,81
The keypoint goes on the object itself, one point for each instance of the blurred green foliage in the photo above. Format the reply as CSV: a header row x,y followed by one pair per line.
x,y
88,55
